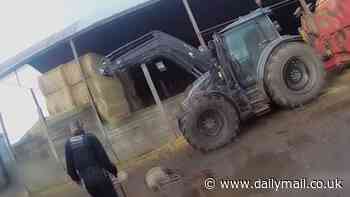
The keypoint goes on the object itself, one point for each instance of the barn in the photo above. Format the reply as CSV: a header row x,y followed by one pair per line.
x,y
139,127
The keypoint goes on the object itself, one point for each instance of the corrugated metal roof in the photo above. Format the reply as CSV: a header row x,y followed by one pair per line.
x,y
104,33
71,32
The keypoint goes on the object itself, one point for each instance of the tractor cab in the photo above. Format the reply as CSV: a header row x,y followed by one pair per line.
x,y
246,39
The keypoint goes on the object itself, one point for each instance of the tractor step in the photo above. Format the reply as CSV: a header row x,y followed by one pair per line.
x,y
258,101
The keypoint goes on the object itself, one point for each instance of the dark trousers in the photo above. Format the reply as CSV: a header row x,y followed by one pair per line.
x,y
98,183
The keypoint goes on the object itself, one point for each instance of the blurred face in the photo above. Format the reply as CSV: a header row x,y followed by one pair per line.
x,y
76,131
76,128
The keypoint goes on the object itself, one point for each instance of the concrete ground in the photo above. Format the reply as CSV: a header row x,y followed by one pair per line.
x,y
310,142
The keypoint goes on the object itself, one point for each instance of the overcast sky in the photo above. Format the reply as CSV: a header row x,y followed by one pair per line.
x,y
24,23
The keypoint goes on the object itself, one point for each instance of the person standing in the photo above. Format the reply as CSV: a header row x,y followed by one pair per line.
x,y
88,163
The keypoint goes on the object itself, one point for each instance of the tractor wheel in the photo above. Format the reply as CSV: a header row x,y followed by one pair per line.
x,y
294,75
210,122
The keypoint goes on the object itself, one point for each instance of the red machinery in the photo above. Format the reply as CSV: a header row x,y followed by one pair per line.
x,y
327,29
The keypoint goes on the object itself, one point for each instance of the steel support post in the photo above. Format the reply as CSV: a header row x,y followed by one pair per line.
x,y
17,79
156,95
195,24
46,130
153,88
7,140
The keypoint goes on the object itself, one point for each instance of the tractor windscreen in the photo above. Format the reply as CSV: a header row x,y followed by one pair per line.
x,y
246,41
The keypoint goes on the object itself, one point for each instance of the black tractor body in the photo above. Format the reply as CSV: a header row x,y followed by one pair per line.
x,y
248,66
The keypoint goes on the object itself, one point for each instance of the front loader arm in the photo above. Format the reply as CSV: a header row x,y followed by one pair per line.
x,y
156,46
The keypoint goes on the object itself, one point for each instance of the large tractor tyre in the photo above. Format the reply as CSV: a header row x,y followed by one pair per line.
x,y
209,123
294,75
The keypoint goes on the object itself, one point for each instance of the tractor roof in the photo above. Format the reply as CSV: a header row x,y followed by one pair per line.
x,y
243,19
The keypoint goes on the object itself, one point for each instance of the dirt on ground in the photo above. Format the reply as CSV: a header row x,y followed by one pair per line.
x,y
309,142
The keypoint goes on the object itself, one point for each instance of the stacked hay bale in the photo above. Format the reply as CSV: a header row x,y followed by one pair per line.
x,y
65,90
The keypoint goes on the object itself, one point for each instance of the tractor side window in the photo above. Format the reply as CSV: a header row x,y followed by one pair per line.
x,y
268,29
247,41
243,44
237,44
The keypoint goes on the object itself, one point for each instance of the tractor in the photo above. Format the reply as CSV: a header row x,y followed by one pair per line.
x,y
248,68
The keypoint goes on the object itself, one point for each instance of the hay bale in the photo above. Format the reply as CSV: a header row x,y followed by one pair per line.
x,y
109,89
64,89
88,62
60,101
72,72
109,98
112,113
80,94
52,81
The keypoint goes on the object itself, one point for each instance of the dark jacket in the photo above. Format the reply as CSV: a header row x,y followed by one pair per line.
x,y
84,152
